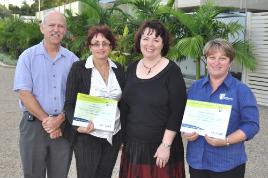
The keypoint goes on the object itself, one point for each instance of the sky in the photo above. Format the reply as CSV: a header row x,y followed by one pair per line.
x,y
15,2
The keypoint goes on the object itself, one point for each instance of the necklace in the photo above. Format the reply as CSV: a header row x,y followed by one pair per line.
x,y
150,68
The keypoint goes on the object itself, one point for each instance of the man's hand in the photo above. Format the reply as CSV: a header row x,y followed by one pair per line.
x,y
55,134
50,124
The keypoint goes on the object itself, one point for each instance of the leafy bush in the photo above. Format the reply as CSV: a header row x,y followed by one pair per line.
x,y
6,59
16,35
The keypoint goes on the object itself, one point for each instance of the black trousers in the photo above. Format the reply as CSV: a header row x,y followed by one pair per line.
x,y
96,157
237,172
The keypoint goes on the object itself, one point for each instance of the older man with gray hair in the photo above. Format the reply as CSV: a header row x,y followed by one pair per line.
x,y
40,81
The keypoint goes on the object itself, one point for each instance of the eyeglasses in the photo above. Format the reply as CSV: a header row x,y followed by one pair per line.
x,y
98,45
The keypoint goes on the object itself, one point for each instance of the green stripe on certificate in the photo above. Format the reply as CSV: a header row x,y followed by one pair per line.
x,y
203,104
100,111
206,118
95,99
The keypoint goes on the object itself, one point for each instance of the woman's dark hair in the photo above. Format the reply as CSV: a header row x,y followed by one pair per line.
x,y
101,29
159,29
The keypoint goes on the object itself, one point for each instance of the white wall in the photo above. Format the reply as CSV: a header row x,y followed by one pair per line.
x,y
257,25
187,3
240,4
74,7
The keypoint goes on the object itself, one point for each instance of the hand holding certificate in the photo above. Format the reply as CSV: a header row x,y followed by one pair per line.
x,y
206,118
101,111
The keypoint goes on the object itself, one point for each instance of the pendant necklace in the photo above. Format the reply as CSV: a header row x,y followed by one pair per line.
x,y
150,68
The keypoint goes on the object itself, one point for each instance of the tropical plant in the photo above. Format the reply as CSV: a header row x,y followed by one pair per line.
x,y
189,31
201,26
123,17
137,12
4,12
76,35
16,35
95,13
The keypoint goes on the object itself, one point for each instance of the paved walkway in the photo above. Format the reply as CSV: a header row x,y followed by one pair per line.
x,y
10,166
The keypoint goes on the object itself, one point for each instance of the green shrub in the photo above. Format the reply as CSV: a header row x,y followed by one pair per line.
x,y
16,35
7,59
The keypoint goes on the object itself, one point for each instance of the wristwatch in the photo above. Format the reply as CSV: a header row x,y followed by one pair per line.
x,y
227,141
166,145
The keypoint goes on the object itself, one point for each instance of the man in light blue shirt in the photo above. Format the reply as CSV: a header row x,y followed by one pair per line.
x,y
40,81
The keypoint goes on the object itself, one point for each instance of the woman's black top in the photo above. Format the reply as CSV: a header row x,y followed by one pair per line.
x,y
155,104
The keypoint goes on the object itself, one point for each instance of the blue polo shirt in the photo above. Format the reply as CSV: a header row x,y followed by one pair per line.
x,y
44,77
244,116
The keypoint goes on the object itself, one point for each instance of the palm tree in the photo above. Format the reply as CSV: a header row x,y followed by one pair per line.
x,y
92,13
141,10
200,27
138,11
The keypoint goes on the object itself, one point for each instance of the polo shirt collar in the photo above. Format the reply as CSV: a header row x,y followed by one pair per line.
x,y
227,81
205,81
41,49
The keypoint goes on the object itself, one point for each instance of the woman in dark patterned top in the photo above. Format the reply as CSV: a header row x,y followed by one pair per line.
x,y
154,97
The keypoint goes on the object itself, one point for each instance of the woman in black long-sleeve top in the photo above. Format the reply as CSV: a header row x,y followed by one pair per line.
x,y
155,97
95,150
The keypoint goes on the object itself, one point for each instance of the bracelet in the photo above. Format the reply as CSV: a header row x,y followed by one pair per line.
x,y
166,145
227,141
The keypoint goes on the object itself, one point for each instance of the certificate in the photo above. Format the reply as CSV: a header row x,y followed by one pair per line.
x,y
101,111
206,118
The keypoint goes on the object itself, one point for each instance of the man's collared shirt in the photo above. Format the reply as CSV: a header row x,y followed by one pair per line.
x,y
244,116
112,90
44,77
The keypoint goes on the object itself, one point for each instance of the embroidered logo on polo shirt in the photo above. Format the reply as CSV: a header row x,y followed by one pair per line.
x,y
223,97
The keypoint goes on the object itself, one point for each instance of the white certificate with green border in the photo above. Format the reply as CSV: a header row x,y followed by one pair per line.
x,y
206,118
101,111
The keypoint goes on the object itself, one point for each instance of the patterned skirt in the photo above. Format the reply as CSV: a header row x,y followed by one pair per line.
x,y
137,161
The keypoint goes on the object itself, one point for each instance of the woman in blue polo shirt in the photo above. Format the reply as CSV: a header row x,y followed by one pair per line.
x,y
222,158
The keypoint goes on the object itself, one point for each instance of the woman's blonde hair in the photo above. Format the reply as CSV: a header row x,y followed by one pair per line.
x,y
219,44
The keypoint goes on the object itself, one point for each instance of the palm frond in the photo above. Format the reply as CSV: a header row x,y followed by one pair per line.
x,y
191,46
170,3
185,19
208,11
244,54
174,54
233,29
